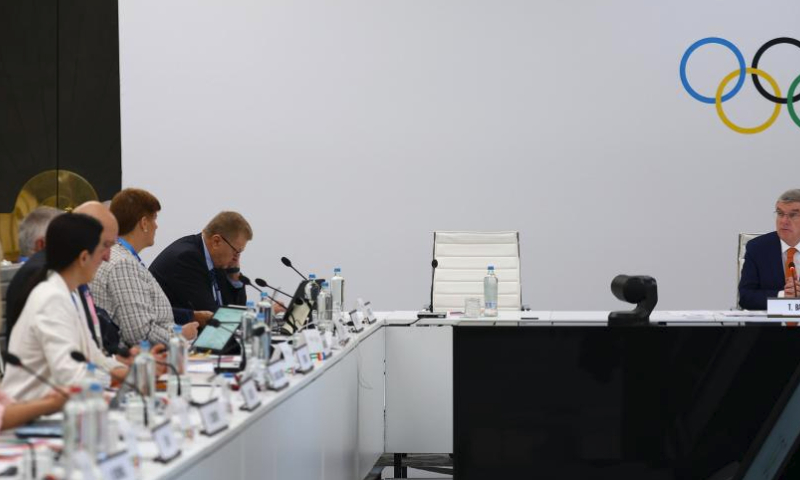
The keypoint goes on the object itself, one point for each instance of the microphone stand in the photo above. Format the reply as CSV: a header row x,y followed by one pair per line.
x,y
243,363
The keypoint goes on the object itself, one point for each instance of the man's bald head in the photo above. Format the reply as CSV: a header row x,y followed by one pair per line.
x,y
109,222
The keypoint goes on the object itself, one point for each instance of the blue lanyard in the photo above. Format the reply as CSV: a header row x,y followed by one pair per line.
x,y
129,247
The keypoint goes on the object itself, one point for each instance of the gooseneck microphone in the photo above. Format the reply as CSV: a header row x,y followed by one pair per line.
x,y
81,358
434,265
288,263
14,360
246,281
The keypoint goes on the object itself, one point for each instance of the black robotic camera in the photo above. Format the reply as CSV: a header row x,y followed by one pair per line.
x,y
641,290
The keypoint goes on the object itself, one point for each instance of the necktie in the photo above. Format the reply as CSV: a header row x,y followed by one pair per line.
x,y
790,260
215,287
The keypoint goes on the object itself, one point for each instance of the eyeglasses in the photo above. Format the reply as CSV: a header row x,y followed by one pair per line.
x,y
236,250
792,216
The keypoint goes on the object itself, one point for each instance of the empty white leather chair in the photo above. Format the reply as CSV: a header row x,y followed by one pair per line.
x,y
743,239
463,260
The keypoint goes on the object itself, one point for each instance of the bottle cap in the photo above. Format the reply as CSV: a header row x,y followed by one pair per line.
x,y
95,387
177,329
251,304
325,283
91,367
311,276
73,389
144,345
260,317
491,267
263,296
337,270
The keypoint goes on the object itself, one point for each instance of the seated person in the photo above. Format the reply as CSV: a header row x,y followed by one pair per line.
x,y
192,269
52,325
767,259
31,246
126,289
13,414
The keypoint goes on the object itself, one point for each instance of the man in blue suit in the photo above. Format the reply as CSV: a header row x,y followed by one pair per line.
x,y
768,258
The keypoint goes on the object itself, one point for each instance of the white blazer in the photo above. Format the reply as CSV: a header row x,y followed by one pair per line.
x,y
51,326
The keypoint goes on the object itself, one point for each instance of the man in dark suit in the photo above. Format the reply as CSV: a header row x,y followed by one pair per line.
x,y
200,272
768,259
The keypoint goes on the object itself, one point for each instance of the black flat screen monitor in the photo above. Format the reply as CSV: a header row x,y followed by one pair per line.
x,y
628,403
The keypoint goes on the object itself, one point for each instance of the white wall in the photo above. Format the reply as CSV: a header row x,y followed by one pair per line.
x,y
346,132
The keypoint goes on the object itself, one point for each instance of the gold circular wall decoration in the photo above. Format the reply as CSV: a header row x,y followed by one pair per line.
x,y
54,188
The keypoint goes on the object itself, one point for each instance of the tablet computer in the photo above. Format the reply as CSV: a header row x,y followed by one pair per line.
x,y
217,339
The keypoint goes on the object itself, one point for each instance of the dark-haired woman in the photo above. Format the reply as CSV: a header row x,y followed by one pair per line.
x,y
50,326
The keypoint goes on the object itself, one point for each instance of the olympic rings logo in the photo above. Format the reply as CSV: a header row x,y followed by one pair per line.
x,y
739,75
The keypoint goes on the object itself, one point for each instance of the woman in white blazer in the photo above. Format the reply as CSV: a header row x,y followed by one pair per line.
x,y
14,414
52,324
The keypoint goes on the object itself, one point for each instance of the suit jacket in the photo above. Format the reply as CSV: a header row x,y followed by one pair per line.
x,y
183,274
763,272
19,283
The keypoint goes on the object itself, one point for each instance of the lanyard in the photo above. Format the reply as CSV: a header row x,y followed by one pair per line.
x,y
129,248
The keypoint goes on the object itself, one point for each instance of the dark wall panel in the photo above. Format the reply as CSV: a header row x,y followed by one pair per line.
x,y
27,94
59,93
89,138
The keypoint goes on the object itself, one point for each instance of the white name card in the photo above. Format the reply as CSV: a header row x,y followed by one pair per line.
x,y
783,307
369,314
314,341
213,417
249,394
277,375
288,354
118,467
355,317
168,447
304,359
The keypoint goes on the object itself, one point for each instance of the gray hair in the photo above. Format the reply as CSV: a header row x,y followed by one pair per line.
x,y
34,227
790,196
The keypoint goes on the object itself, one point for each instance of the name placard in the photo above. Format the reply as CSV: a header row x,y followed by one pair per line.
x,y
278,380
249,395
314,341
783,307
213,417
304,359
369,314
355,317
168,447
288,354
118,467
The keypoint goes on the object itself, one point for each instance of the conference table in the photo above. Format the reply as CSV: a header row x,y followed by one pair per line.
x,y
389,389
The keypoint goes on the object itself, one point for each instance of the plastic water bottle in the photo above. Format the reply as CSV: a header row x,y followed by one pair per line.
x,y
324,309
178,357
248,319
337,290
144,373
490,293
259,347
264,307
97,411
74,411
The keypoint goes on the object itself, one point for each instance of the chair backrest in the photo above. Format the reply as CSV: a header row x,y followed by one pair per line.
x,y
7,272
743,239
463,260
